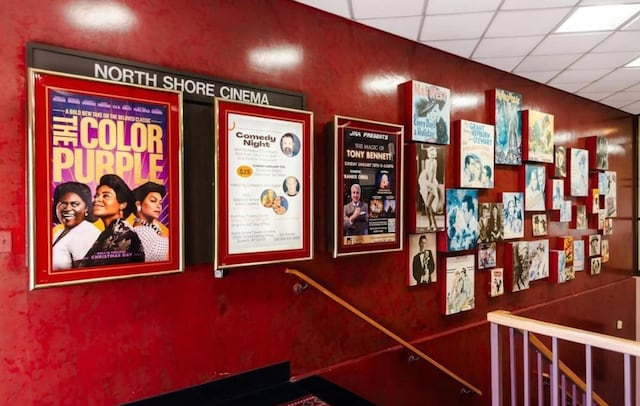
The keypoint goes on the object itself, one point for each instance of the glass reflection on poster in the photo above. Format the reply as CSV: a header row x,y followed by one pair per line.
x,y
263,184
105,180
368,174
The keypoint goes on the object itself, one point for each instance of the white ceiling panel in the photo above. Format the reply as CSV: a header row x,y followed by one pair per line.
x,y
546,62
515,36
557,44
381,8
512,46
526,22
461,6
533,4
406,27
580,75
462,47
455,26
620,42
506,64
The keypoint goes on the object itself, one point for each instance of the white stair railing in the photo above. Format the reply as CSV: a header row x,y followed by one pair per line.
x,y
557,371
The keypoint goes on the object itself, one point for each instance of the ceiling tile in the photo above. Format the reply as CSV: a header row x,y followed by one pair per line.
x,y
605,85
455,26
524,23
386,8
462,47
406,27
540,76
634,25
505,64
580,75
339,7
514,46
604,60
461,6
568,87
546,62
594,95
624,97
619,42
627,74
556,44
603,2
531,4
632,108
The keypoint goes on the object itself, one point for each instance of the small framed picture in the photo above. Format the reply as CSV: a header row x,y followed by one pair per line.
x,y
422,263
539,223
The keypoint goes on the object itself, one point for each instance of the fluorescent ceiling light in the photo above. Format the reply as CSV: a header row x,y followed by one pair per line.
x,y
633,64
599,18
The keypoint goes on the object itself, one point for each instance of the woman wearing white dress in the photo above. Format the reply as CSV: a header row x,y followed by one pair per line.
x,y
148,198
75,233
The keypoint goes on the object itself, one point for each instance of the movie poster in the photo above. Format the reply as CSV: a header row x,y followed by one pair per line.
x,y
106,180
508,127
538,137
458,289
428,111
263,184
476,144
368,205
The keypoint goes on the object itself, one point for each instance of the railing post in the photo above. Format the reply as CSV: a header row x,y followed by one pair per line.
x,y
589,391
525,366
627,380
554,371
512,367
496,366
539,357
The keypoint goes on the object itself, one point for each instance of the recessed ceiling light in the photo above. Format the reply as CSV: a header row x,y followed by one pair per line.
x,y
599,18
633,64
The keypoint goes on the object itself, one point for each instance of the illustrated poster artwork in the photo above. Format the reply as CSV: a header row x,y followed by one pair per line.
x,y
513,204
431,165
534,193
430,113
565,211
598,152
476,154
496,282
521,263
459,284
539,259
490,222
604,250
578,255
462,219
560,162
610,198
581,217
559,265
540,136
423,259
539,222
579,172
508,127
486,255
557,193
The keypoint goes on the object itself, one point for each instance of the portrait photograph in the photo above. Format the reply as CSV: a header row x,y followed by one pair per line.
x,y
462,219
490,222
594,246
423,260
539,223
596,265
513,215
426,180
486,255
560,162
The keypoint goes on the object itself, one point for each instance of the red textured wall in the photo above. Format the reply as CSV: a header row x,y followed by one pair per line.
x,y
112,342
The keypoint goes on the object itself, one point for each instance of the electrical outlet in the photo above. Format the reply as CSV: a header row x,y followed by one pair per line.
x,y
5,241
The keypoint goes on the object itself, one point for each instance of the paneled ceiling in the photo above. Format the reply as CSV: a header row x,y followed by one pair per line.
x,y
523,37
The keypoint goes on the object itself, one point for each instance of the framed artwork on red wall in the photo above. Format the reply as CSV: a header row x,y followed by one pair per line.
x,y
537,136
426,167
427,112
264,187
105,180
367,171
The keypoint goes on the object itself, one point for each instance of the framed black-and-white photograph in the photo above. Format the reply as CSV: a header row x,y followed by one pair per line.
x,y
422,260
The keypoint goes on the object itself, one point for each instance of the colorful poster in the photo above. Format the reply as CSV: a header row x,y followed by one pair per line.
x,y
476,144
263,184
539,135
459,285
368,206
106,170
578,172
535,183
429,112
513,204
508,127
462,219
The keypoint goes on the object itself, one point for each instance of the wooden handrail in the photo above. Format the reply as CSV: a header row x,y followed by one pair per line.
x,y
383,329
546,352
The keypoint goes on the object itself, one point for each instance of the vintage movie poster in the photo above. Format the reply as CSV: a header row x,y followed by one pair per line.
x,y
428,187
538,137
560,162
462,219
535,182
508,126
539,224
610,198
557,193
486,255
428,110
263,184
106,176
605,250
513,205
517,258
596,265
490,222
578,172
558,266
459,285
476,150
578,255
566,211
598,152
369,180
594,244
423,259
496,282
